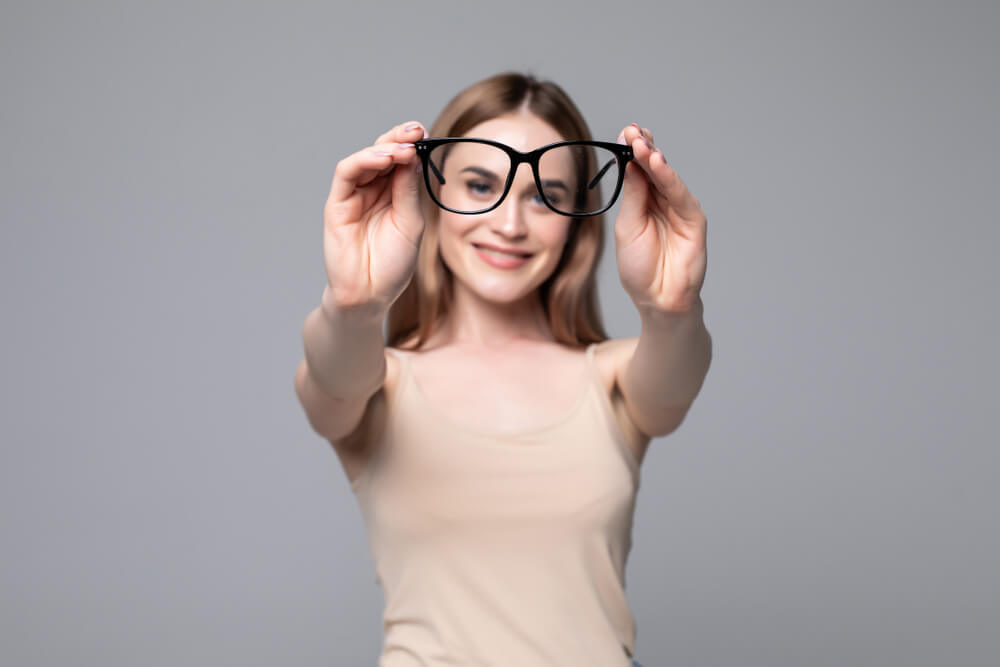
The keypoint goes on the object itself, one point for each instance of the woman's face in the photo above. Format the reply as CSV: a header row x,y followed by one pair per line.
x,y
522,222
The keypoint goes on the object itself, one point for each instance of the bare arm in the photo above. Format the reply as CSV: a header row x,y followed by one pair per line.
x,y
344,351
344,367
667,369
662,255
372,226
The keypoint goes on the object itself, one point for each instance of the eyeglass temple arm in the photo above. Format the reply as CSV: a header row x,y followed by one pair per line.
x,y
600,174
434,168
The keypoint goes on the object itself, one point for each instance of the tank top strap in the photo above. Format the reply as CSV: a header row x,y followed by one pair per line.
x,y
592,373
404,370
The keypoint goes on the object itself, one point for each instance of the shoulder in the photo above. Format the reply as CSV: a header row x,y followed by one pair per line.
x,y
612,355
616,346
375,412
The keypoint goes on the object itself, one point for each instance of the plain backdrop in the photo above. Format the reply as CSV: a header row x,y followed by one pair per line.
x,y
831,498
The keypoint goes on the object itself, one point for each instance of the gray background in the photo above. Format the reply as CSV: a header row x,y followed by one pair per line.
x,y
830,500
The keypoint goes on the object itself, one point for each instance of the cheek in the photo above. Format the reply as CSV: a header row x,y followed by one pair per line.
x,y
559,237
450,231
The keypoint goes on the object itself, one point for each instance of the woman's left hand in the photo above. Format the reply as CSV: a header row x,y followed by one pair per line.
x,y
659,233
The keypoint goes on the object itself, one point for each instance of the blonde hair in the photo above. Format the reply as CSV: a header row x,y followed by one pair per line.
x,y
569,295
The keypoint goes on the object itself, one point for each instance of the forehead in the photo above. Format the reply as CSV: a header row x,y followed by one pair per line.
x,y
522,131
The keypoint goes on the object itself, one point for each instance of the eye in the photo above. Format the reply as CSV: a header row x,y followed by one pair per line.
x,y
479,187
553,198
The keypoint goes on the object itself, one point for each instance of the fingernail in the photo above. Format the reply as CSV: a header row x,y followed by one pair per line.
x,y
383,153
400,147
648,145
621,138
411,126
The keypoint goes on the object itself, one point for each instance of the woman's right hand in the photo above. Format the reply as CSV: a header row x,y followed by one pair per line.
x,y
373,224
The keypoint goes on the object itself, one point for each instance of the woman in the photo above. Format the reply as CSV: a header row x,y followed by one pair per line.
x,y
494,445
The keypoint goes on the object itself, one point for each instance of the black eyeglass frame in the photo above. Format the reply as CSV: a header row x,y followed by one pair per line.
x,y
623,154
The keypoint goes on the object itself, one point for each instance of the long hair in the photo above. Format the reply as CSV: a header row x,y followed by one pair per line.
x,y
569,295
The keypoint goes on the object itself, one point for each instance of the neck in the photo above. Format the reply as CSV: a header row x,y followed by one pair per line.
x,y
477,322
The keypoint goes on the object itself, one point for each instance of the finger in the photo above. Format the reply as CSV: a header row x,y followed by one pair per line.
x,y
634,137
366,165
642,148
403,133
631,133
635,201
643,151
402,154
644,133
668,183
635,188
406,208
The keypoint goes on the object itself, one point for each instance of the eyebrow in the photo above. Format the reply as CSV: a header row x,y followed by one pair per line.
x,y
485,173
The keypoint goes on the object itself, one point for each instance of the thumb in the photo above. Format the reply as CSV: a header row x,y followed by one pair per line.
x,y
406,184
635,200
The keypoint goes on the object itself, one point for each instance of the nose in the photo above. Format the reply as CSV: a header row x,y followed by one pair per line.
x,y
509,218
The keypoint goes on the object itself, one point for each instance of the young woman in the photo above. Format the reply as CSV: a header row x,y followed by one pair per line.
x,y
494,440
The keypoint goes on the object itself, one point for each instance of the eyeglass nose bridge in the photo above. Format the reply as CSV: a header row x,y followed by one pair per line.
x,y
518,158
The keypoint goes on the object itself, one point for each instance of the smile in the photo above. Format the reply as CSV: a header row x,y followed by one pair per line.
x,y
501,260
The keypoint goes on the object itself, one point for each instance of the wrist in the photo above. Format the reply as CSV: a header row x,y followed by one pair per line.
x,y
692,309
361,316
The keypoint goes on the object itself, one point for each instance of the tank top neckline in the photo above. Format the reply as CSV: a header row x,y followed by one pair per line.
x,y
586,381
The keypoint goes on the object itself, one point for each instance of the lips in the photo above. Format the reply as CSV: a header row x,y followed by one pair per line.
x,y
500,260
506,252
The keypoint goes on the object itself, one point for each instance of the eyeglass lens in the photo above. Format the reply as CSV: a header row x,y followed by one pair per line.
x,y
469,177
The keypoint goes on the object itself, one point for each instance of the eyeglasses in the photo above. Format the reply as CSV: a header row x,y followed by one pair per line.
x,y
470,176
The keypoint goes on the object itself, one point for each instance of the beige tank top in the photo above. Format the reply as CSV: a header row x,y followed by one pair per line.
x,y
501,549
